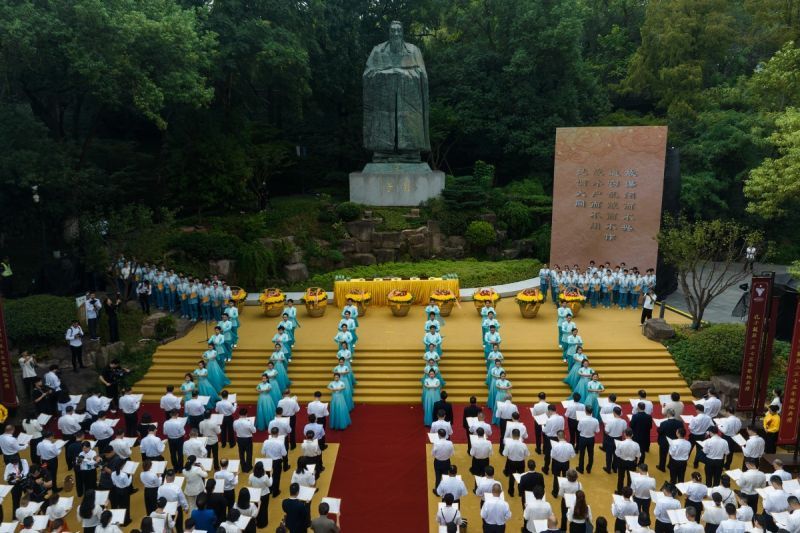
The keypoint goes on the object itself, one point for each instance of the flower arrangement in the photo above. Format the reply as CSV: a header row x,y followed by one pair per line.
x,y
358,295
528,296
315,296
483,295
443,295
400,296
572,294
238,294
271,296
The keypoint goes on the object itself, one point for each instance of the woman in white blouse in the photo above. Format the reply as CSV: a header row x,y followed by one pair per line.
x,y
247,508
572,486
579,514
89,512
169,521
303,477
195,481
32,427
121,492
259,479
105,525
151,482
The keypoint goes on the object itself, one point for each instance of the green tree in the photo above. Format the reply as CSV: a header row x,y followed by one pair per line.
x,y
707,255
773,188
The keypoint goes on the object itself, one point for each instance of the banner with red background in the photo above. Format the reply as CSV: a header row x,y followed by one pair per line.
x,y
754,341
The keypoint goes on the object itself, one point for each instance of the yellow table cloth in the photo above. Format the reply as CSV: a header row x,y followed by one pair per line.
x,y
420,288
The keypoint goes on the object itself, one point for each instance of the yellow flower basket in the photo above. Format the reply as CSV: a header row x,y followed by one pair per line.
x,y
271,301
316,301
575,300
400,302
483,295
529,301
361,299
238,295
3,413
446,300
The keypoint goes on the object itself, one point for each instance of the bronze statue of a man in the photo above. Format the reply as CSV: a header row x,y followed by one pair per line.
x,y
396,100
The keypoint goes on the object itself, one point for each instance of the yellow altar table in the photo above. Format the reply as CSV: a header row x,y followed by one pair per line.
x,y
379,289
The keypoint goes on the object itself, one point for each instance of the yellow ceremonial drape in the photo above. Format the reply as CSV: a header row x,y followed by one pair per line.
x,y
420,288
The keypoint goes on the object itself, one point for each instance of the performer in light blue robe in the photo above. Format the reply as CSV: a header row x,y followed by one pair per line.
x,y
502,389
233,314
342,371
433,307
584,375
494,355
346,371
339,417
635,285
492,376
607,288
491,338
351,326
206,292
288,327
566,329
431,388
171,287
226,327
433,337
594,388
345,336
486,309
345,353
573,342
204,387
351,308
563,312
194,300
218,341
572,376
278,357
431,365
283,339
188,386
217,298
431,354
265,407
624,289
544,281
487,322
291,310
216,376
275,387
432,322
182,295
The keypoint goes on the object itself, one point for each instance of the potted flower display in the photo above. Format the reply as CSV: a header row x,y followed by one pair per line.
x,y
316,301
238,296
445,299
529,301
361,298
271,301
574,298
400,301
484,295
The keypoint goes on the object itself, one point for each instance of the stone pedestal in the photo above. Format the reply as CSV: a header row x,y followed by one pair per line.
x,y
401,184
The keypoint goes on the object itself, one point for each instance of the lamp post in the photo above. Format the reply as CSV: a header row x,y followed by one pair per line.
x,y
43,253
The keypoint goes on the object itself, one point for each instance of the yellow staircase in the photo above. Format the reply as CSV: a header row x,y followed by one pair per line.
x,y
388,360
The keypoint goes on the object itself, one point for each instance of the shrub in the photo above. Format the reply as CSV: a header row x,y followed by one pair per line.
x,y
39,320
165,328
255,264
348,211
480,234
518,217
465,193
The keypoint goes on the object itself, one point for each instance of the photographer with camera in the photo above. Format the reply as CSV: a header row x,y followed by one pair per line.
x,y
16,474
74,337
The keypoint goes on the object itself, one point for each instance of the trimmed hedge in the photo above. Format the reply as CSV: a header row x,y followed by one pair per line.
x,y
718,349
471,272
39,320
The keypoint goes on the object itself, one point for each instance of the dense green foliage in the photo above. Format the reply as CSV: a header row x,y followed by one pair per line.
x,y
718,349
196,109
38,320
480,234
471,273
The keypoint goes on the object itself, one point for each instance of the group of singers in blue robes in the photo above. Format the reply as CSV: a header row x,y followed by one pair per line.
x,y
432,380
581,377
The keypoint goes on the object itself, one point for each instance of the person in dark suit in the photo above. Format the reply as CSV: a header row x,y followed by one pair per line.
x,y
641,425
529,479
298,514
216,502
470,411
445,406
666,430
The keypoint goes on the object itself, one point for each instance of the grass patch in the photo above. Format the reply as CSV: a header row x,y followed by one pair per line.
x,y
471,272
394,219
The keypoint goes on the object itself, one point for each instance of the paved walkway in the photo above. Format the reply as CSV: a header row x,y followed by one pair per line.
x,y
720,309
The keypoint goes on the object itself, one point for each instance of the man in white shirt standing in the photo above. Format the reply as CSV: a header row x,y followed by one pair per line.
x,y
441,450
648,304
730,426
170,402
715,449
175,431
312,452
211,431
120,445
642,484
226,408
570,413
69,424
587,429
561,454
274,448
93,306
495,513
9,445
539,408
441,423
195,445
316,429
290,409
698,426
151,446
481,451
129,404
244,429
101,430
194,410
627,453
554,424
172,492
515,453
505,412
753,447
750,481
451,484
613,430
48,452
320,411
74,337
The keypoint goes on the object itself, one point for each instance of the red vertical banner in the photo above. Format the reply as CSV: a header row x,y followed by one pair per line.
x,y
754,341
772,327
790,410
8,392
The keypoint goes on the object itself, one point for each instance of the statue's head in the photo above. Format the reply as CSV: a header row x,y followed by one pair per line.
x,y
396,32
